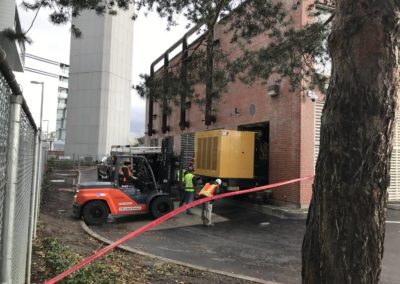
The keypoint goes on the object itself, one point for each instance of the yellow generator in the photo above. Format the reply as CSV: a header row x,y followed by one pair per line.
x,y
226,154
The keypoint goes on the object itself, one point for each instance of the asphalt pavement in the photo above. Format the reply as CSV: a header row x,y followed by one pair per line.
x,y
243,241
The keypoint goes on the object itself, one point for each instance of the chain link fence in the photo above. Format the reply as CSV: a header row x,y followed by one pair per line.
x,y
23,195
5,93
20,178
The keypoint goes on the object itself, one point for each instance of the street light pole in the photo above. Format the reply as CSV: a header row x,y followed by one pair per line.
x,y
47,133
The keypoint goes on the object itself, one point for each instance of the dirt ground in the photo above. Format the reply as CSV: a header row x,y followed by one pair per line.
x,y
56,222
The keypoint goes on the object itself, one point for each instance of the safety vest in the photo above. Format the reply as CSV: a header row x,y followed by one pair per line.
x,y
121,173
208,190
179,176
189,187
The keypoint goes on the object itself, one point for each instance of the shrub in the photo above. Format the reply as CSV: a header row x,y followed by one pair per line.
x,y
59,258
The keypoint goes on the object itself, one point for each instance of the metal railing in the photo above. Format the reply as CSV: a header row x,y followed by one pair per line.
x,y
21,169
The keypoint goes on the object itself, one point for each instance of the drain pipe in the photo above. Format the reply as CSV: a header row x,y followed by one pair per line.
x,y
7,243
32,211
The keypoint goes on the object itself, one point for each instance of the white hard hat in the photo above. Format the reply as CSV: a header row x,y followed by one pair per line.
x,y
218,181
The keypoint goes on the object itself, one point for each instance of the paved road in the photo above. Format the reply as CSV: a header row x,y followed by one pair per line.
x,y
243,241
391,256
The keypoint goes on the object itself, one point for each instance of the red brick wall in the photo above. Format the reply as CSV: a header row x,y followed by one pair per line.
x,y
290,116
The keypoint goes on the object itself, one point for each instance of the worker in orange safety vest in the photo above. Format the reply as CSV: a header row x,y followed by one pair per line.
x,y
125,174
209,189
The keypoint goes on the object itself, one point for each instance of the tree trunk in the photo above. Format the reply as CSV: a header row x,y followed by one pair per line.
x,y
346,220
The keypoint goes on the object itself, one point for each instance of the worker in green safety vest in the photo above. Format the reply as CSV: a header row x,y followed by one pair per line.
x,y
189,193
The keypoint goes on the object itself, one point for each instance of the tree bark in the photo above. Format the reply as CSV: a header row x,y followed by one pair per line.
x,y
346,221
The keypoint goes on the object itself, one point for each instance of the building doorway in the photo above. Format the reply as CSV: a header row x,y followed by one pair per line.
x,y
261,150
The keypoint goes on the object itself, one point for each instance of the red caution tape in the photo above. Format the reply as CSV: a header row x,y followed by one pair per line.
x,y
162,219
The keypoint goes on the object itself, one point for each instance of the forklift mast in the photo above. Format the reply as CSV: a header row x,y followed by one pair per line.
x,y
167,173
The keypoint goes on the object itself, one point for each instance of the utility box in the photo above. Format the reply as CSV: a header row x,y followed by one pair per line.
x,y
225,154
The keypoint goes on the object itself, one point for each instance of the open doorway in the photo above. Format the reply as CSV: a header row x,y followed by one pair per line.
x,y
261,150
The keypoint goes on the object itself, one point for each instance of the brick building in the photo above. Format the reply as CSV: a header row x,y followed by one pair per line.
x,y
287,122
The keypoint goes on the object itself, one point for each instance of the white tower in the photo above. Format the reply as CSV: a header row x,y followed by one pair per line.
x,y
98,107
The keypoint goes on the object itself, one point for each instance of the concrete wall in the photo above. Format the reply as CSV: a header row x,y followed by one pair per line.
x,y
15,50
7,8
100,84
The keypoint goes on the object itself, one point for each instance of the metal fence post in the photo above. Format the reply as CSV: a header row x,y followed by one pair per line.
x,y
36,181
10,194
33,207
39,180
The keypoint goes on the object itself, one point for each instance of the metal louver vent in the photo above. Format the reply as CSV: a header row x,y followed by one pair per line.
x,y
394,188
208,149
187,149
318,106
214,153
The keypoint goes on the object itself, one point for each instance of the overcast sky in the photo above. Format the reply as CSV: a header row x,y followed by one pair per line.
x,y
151,39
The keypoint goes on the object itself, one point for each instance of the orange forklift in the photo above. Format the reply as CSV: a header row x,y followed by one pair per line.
x,y
95,201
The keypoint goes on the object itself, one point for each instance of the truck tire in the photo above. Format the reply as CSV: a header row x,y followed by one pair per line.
x,y
160,206
95,213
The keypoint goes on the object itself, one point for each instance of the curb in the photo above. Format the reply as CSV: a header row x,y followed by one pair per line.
x,y
167,260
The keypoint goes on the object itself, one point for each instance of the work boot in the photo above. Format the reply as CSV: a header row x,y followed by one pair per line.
x,y
189,213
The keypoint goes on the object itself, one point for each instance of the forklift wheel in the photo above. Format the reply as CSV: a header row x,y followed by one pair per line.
x,y
160,206
95,213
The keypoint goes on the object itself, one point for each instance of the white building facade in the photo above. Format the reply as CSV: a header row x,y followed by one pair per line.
x,y
54,76
100,84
